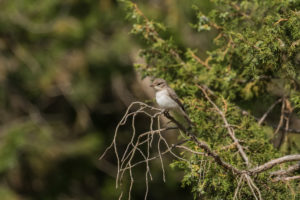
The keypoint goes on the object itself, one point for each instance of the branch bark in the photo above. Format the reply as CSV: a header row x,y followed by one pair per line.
x,y
274,162
289,170
286,178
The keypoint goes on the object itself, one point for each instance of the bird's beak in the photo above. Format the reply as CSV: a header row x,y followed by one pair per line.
x,y
152,85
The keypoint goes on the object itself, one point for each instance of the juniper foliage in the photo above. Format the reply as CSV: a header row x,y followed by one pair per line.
x,y
257,47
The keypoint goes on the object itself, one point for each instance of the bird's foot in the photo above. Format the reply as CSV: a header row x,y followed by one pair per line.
x,y
166,113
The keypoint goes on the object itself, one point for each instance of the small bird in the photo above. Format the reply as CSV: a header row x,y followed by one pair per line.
x,y
166,97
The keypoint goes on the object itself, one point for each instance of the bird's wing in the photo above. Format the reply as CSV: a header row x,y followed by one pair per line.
x,y
174,96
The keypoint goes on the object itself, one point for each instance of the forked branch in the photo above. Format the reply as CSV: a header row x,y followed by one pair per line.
x,y
230,130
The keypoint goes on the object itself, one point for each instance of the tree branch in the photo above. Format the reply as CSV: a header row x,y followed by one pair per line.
x,y
268,111
289,170
205,147
286,178
229,128
274,162
281,117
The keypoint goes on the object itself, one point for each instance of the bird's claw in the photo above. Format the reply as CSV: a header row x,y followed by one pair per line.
x,y
166,113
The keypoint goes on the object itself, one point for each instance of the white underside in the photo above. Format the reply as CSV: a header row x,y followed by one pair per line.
x,y
164,100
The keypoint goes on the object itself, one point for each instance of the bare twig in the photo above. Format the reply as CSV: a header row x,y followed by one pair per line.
x,y
155,157
280,20
254,189
238,187
281,116
288,112
274,162
125,162
159,152
199,60
269,110
289,170
189,150
286,178
286,128
227,125
290,130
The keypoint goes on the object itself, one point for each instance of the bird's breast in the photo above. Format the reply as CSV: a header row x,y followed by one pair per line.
x,y
164,100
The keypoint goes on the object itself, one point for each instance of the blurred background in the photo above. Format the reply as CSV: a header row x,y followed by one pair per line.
x,y
66,79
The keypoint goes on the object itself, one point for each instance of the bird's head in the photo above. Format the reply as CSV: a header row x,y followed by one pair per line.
x,y
159,84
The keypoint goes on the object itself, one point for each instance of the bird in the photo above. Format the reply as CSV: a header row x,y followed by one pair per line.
x,y
166,97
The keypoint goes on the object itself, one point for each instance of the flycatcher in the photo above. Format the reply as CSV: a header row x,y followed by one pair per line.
x,y
166,97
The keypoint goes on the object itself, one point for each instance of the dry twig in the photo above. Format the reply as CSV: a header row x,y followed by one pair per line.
x,y
268,111
286,178
229,128
290,170
272,163
281,116
125,161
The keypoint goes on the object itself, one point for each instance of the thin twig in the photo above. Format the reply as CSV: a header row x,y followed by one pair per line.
x,y
288,111
286,178
272,163
253,187
281,116
159,152
155,157
280,20
289,170
238,187
199,60
269,110
229,128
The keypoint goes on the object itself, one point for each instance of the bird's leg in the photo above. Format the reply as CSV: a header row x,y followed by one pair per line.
x,y
167,114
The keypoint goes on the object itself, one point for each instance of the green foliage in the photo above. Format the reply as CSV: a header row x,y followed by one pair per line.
x,y
257,42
